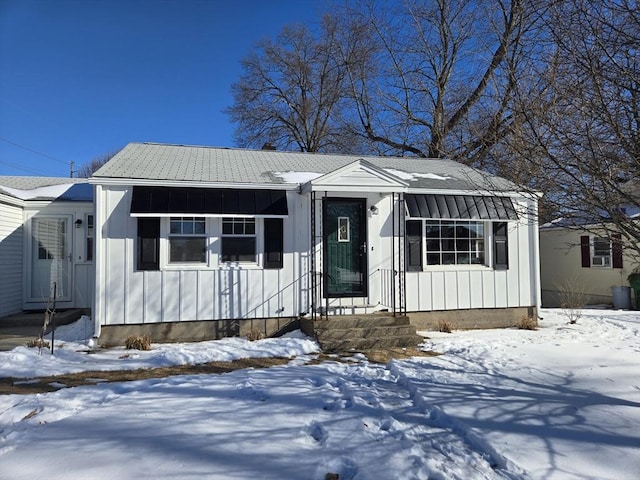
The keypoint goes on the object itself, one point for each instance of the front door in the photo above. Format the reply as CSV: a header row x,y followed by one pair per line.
x,y
50,258
345,247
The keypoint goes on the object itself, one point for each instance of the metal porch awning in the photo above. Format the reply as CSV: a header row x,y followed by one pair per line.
x,y
454,207
163,201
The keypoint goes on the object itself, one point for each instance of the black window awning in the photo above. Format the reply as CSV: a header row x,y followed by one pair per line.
x,y
207,201
467,207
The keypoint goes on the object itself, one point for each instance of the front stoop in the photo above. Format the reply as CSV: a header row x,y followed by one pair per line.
x,y
343,333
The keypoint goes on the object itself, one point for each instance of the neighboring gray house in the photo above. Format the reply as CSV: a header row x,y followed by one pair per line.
x,y
202,242
46,237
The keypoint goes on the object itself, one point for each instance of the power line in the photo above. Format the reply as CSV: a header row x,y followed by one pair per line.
x,y
20,167
34,151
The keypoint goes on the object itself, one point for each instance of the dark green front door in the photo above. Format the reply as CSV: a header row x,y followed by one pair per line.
x,y
345,249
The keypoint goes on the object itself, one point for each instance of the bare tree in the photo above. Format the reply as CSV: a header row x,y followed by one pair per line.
x,y
542,92
433,78
585,127
442,79
87,169
290,92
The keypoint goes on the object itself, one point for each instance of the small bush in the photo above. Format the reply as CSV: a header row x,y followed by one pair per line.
x,y
444,326
38,343
573,298
528,323
137,342
255,334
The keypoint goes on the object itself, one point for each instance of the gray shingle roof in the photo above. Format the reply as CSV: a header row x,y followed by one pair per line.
x,y
150,161
44,188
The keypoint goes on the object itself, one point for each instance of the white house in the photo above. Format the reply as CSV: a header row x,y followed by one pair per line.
x,y
46,238
202,242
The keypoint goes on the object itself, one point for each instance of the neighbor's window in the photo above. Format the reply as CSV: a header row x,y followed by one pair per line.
x,y
238,240
601,252
454,243
187,240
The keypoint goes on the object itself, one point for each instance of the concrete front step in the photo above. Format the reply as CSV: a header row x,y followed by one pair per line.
x,y
360,321
335,334
362,332
362,344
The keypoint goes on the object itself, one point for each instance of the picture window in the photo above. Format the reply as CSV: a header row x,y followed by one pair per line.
x,y
455,243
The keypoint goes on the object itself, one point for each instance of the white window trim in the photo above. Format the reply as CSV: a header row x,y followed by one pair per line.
x,y
165,233
213,235
592,251
259,236
87,236
347,237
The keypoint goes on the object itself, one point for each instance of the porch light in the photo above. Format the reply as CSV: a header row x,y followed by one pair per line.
x,y
373,209
78,223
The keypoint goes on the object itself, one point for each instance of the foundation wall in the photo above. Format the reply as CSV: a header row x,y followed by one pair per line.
x,y
195,331
472,318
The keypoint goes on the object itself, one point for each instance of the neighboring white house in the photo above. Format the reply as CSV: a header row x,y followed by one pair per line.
x,y
202,242
584,260
46,237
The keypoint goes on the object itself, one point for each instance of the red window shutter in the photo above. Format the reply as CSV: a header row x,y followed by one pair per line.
x,y
585,250
616,250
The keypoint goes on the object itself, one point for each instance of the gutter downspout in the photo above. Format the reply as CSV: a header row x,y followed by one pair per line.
x,y
536,257
98,301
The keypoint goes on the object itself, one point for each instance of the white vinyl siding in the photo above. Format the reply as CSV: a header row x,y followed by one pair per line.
x,y
11,258
194,292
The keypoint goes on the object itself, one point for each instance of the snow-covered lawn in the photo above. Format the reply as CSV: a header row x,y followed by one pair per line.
x,y
562,402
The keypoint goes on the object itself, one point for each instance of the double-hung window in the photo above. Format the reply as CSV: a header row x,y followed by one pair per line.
x,y
601,256
187,240
238,239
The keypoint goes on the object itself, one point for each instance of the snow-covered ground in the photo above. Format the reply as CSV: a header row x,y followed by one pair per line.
x,y
562,402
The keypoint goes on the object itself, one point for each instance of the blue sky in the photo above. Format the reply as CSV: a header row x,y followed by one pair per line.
x,y
80,78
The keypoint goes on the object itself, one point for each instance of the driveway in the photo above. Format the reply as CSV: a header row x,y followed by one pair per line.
x,y
18,329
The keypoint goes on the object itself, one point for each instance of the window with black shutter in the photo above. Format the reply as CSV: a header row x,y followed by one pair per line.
x,y
273,243
585,251
500,246
616,250
148,244
601,251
